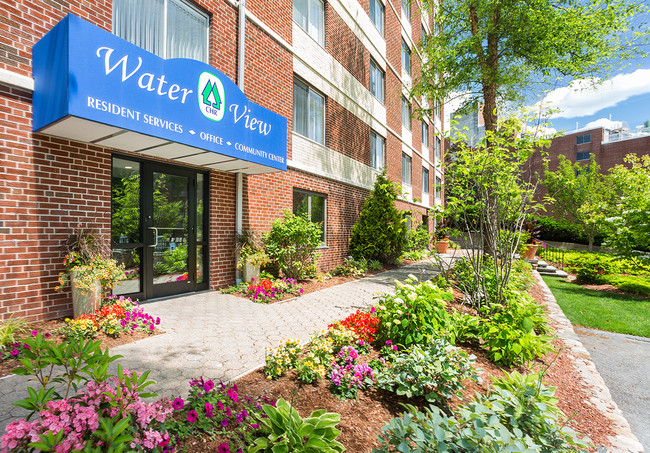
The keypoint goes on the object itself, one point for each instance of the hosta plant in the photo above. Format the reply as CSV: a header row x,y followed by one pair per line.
x,y
286,431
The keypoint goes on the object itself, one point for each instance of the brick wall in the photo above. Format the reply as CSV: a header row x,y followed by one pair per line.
x,y
345,47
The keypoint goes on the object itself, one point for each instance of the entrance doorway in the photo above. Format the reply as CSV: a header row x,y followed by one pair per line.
x,y
159,219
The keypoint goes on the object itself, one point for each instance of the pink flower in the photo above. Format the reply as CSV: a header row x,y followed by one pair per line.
x,y
220,404
178,404
15,352
223,448
192,416
209,385
224,422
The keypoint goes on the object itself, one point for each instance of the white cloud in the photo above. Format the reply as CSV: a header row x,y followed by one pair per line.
x,y
582,98
605,123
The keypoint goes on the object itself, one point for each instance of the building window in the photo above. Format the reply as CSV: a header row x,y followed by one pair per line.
x,y
167,28
425,180
377,81
583,155
314,205
438,188
438,149
423,37
310,15
436,109
425,134
377,14
308,112
406,169
581,139
377,151
406,8
406,58
406,113
425,223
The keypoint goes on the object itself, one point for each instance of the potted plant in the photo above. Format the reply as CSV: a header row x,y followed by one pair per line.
x,y
251,255
529,235
442,235
89,270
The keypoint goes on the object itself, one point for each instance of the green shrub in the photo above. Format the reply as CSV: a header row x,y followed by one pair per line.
x,y
636,284
11,330
380,232
286,431
435,370
291,244
375,265
415,312
351,267
416,255
595,268
563,231
417,239
518,414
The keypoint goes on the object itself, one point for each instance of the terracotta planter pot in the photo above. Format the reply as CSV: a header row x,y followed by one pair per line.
x,y
442,246
85,303
249,272
531,250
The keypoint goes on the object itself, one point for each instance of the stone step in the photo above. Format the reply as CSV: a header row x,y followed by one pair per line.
x,y
558,273
542,263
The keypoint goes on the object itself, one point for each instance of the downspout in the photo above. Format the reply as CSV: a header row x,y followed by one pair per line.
x,y
239,181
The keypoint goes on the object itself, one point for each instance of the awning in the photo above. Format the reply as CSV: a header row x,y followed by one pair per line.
x,y
93,87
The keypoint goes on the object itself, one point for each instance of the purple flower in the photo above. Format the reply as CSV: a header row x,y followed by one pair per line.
x,y
223,448
178,404
192,416
209,385
158,320
255,425
220,404
47,335
394,347
242,415
372,309
26,345
15,352
228,412
224,422
232,393
388,342
152,327
34,333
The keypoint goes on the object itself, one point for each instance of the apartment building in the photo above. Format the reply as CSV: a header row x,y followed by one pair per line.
x,y
169,125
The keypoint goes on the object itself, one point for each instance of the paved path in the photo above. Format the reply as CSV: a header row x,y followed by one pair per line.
x,y
624,363
222,337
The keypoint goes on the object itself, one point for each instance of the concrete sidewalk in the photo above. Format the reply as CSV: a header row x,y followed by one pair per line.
x,y
222,337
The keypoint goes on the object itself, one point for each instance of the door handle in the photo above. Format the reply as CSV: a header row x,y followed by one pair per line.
x,y
155,231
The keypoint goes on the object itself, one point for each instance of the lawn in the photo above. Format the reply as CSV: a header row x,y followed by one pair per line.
x,y
602,310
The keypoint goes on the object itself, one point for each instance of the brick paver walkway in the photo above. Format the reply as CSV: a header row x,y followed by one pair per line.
x,y
222,337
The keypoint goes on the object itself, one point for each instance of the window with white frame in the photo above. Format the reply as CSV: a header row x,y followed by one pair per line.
x,y
438,188
425,134
406,8
308,112
425,180
314,205
377,81
377,14
377,151
406,169
424,35
438,146
406,58
582,139
406,113
167,28
310,15
436,109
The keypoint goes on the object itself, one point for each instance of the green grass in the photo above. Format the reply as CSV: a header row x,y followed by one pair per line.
x,y
602,310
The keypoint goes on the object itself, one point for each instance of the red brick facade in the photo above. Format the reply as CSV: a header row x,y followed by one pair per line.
x,y
50,185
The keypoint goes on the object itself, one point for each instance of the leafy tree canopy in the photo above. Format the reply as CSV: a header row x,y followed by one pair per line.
x,y
495,50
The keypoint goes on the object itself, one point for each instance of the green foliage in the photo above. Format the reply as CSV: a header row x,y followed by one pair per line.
x,y
287,432
10,331
69,364
375,265
292,244
380,233
518,414
563,231
351,267
173,261
416,255
595,268
494,52
629,229
578,194
635,284
415,312
417,239
434,370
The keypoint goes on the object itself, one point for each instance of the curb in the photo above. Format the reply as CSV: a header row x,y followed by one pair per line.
x,y
624,441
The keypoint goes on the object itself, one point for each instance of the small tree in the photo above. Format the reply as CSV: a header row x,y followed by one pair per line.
x,y
578,194
380,233
292,243
488,196
629,208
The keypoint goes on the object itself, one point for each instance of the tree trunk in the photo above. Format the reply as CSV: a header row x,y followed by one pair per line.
x,y
591,243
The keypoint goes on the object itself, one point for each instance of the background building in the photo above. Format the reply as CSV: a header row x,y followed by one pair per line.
x,y
337,71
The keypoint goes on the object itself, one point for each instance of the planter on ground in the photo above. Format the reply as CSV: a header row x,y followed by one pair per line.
x,y
250,271
442,246
531,250
85,303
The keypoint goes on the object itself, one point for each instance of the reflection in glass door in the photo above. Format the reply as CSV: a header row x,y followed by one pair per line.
x,y
158,223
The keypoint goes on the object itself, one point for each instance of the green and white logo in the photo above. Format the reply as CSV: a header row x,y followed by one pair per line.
x,y
211,96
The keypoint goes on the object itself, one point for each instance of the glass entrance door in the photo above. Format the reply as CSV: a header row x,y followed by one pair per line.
x,y
158,223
